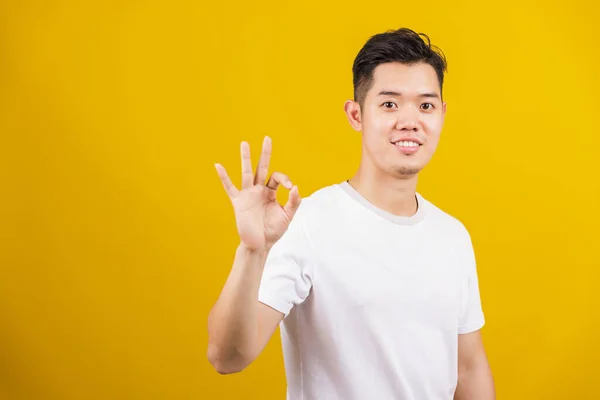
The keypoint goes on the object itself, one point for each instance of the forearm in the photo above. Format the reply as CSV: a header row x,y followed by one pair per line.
x,y
475,383
233,323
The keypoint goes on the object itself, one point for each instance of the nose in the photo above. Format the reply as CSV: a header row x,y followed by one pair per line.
x,y
408,120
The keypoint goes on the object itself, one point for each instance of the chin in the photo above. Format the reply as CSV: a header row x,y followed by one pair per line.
x,y
407,170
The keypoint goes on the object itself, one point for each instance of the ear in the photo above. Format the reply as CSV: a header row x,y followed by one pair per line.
x,y
444,107
352,109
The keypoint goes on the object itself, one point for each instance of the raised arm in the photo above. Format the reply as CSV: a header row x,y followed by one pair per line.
x,y
239,326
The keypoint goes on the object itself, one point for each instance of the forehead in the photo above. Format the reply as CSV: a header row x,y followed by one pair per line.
x,y
403,78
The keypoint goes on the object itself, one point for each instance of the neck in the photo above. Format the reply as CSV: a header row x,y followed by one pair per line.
x,y
389,193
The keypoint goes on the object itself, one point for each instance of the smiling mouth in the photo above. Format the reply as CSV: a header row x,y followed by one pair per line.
x,y
406,144
407,147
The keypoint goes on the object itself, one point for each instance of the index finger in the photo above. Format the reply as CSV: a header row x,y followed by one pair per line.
x,y
263,163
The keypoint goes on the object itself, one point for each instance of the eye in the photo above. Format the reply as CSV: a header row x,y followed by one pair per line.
x,y
389,104
429,106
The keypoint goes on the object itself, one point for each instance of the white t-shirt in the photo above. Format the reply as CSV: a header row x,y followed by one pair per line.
x,y
373,302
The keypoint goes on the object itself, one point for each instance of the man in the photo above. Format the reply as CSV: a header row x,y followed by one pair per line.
x,y
376,288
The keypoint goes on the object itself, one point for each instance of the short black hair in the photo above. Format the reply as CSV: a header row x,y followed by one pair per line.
x,y
402,45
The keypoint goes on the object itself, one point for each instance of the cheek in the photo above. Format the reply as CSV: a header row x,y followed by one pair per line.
x,y
433,128
386,123
379,124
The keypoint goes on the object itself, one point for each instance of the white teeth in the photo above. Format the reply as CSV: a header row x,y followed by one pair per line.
x,y
406,143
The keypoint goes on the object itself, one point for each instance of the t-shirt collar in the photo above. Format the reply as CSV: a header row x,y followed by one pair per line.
x,y
397,219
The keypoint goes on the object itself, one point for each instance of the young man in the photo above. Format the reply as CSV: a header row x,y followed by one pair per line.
x,y
376,287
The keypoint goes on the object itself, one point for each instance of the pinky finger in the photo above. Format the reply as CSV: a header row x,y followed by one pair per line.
x,y
226,181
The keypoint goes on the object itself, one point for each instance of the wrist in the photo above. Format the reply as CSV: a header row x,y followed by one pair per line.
x,y
243,249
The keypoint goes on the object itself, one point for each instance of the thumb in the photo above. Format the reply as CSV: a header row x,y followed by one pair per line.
x,y
293,202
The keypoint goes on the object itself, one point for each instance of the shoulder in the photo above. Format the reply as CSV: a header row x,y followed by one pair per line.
x,y
454,233
308,217
446,222
319,201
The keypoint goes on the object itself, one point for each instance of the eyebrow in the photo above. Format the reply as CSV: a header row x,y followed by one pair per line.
x,y
392,93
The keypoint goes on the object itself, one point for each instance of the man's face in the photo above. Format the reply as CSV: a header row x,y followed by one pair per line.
x,y
401,118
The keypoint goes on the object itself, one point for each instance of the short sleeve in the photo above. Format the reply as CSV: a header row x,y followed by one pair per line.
x,y
471,315
288,272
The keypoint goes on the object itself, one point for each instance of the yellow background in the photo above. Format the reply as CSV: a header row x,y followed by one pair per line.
x,y
117,236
